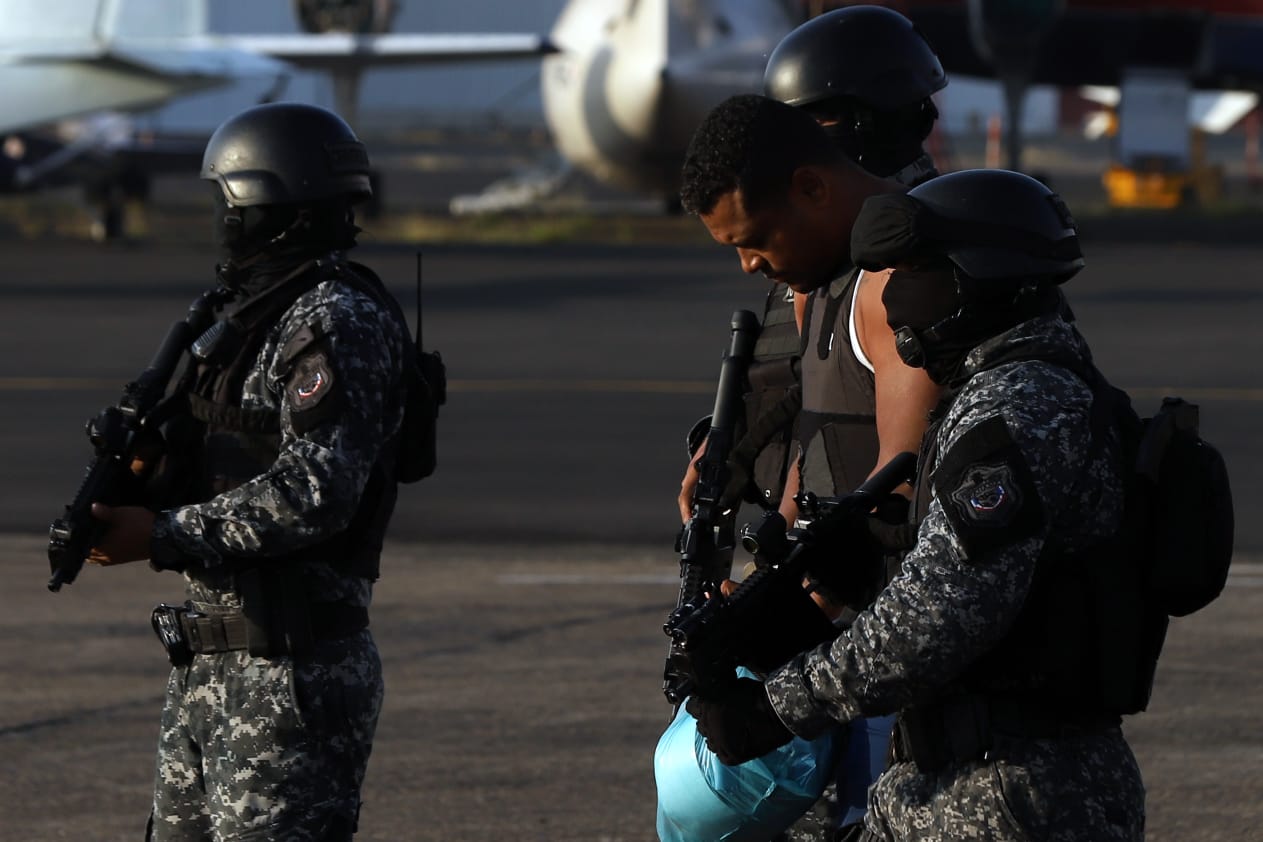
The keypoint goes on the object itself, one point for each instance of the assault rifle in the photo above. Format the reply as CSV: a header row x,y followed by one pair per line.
x,y
771,617
705,543
119,436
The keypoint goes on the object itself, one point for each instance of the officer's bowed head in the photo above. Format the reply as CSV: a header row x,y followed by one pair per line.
x,y
285,171
975,252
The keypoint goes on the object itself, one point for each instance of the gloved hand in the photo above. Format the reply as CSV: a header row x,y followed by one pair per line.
x,y
742,725
847,563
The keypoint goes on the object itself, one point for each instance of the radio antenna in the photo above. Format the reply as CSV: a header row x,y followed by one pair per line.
x,y
418,334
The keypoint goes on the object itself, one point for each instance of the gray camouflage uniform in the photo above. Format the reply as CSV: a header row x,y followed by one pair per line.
x,y
276,748
950,605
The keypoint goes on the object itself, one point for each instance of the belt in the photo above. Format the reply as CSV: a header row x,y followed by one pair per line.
x,y
208,634
966,728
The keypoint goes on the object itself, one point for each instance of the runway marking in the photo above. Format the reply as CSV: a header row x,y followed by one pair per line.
x,y
1240,574
534,384
588,579
1245,574
1208,393
539,384
57,384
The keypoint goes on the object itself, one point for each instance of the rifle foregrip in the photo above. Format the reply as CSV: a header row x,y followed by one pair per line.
x,y
901,468
723,629
72,536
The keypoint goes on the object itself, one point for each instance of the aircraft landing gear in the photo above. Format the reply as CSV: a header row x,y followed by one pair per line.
x,y
109,199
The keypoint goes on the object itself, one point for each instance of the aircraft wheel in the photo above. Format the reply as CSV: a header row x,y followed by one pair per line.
x,y
109,224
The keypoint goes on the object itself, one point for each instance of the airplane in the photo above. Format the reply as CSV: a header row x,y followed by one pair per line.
x,y
625,82
1143,58
73,71
103,154
669,62
630,81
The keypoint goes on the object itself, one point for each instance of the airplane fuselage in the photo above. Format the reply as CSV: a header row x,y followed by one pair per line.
x,y
629,86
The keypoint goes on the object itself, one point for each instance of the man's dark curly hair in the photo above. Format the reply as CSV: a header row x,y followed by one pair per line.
x,y
753,144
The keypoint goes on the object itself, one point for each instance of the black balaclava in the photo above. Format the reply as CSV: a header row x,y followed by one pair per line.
x,y
920,305
936,325
260,243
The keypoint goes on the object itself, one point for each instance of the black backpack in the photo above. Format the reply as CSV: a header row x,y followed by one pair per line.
x,y
1179,504
1175,543
1178,520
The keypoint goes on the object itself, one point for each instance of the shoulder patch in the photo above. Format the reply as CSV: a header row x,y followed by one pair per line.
x,y
312,391
986,490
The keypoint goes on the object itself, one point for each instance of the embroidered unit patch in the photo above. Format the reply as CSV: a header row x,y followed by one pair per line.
x,y
311,381
988,495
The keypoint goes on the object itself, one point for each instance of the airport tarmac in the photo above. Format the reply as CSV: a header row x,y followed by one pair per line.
x,y
522,699
525,584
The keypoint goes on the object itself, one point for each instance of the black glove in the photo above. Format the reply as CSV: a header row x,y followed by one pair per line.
x,y
741,726
847,563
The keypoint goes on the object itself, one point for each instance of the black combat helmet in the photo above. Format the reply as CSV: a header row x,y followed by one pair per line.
x,y
286,153
998,224
1010,239
868,53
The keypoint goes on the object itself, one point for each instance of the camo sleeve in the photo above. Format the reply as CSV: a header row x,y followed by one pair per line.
x,y
332,368
1012,448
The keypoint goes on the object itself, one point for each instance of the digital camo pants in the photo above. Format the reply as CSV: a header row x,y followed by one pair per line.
x,y
1073,789
263,748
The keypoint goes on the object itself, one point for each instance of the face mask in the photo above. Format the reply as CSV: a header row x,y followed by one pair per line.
x,y
921,297
241,233
923,307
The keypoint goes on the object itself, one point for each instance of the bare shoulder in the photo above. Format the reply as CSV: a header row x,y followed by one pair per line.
x,y
872,284
870,313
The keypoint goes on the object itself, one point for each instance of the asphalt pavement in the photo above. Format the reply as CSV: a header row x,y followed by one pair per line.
x,y
525,584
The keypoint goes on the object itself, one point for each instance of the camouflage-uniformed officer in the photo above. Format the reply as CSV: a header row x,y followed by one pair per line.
x,y
1005,731
274,496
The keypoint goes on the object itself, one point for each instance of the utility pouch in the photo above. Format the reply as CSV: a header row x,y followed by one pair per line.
x,y
936,735
276,610
170,632
918,738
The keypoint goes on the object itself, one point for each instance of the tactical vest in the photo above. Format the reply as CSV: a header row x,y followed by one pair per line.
x,y
1086,640
773,375
837,427
225,445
